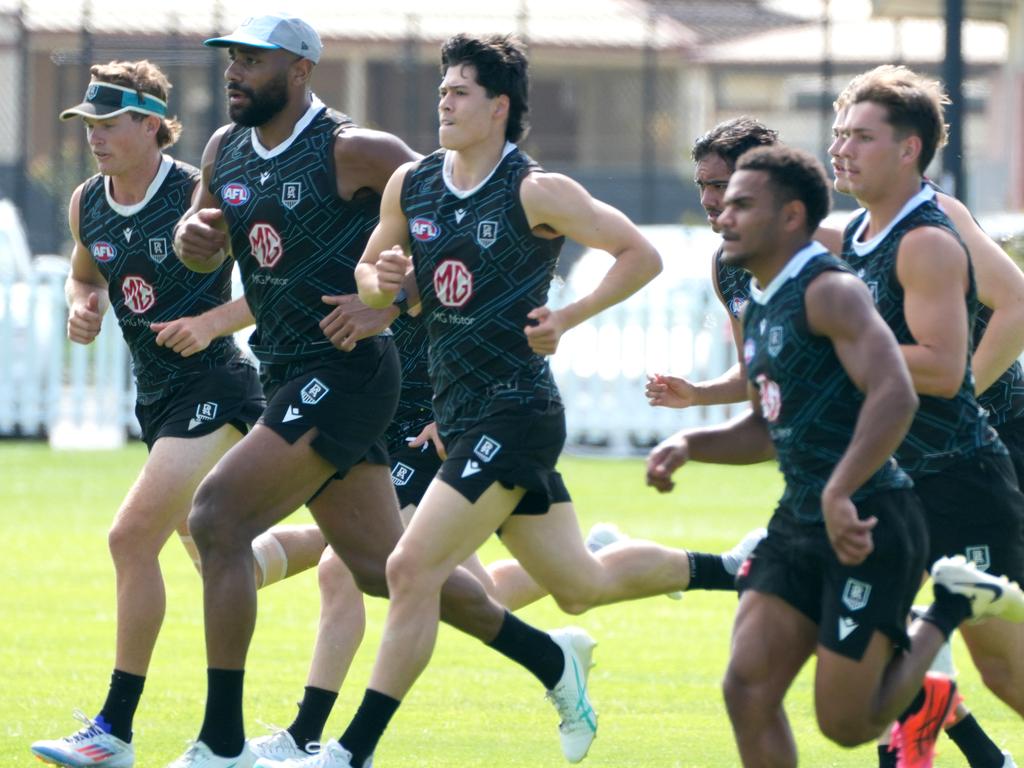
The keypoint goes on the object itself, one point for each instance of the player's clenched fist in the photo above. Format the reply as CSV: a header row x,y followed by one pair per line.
x,y
201,240
392,267
668,456
85,320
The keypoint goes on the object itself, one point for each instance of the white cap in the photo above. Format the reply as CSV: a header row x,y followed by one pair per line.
x,y
274,30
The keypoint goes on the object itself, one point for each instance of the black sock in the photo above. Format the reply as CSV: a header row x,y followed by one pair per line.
x,y
708,572
887,759
978,748
531,648
366,728
122,700
948,612
314,709
223,731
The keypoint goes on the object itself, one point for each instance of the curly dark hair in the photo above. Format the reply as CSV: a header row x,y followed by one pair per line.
x,y
732,138
501,65
795,175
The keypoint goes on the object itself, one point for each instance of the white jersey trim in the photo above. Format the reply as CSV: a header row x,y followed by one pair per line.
x,y
793,268
130,210
462,194
866,247
314,109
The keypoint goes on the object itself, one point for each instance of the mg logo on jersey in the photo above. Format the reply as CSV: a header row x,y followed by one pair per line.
x,y
771,398
139,295
265,244
157,249
487,233
103,251
424,230
291,193
401,474
486,448
453,283
234,193
314,392
749,347
856,594
980,556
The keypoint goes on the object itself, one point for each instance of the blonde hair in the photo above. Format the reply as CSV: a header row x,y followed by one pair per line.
x,y
145,77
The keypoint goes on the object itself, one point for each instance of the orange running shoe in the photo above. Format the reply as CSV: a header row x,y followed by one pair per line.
x,y
915,735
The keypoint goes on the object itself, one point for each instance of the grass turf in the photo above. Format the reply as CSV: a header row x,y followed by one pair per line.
x,y
656,685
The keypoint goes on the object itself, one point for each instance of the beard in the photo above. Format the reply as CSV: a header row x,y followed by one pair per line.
x,y
263,105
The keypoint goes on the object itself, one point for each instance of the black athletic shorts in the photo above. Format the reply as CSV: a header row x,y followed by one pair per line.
x,y
1012,435
796,563
349,400
230,394
974,508
412,469
515,445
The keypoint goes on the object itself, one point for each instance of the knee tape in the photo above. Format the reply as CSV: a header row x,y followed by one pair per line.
x,y
271,559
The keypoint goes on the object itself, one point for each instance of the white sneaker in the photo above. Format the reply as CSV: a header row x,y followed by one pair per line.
x,y
735,557
331,755
198,755
1008,761
990,596
603,535
578,726
90,746
279,746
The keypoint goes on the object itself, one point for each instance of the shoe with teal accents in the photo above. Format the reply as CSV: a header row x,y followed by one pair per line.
x,y
578,725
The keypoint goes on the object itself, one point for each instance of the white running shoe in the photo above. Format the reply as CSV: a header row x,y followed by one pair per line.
x,y
279,746
198,755
578,726
331,755
990,596
88,747
603,535
735,557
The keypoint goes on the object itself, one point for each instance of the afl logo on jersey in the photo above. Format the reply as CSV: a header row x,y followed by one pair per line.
x,y
424,230
453,283
736,306
265,243
139,295
234,193
103,251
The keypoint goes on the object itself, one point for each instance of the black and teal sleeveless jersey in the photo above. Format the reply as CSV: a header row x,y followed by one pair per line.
x,y
414,401
733,285
479,270
944,430
132,247
294,238
807,399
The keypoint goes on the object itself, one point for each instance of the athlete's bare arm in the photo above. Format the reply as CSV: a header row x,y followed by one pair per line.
x,y
931,266
557,205
840,308
1000,288
385,265
366,159
201,239
190,335
830,238
85,288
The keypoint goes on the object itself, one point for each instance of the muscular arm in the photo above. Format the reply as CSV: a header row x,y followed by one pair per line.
x,y
1000,288
932,268
557,204
189,335
366,159
201,239
384,258
85,288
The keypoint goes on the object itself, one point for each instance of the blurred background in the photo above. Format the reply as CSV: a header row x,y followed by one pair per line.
x,y
619,91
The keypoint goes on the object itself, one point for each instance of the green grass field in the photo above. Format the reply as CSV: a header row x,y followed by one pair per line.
x,y
656,685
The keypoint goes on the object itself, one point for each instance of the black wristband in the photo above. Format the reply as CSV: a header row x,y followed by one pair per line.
x,y
401,301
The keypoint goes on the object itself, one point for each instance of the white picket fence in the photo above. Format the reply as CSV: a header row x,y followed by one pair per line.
x,y
83,396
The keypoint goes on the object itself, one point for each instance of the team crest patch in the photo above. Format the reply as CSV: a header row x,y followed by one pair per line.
x,y
103,251
424,230
487,233
486,448
401,474
158,249
775,340
91,92
314,392
979,555
291,193
856,594
204,412
873,287
234,193
139,296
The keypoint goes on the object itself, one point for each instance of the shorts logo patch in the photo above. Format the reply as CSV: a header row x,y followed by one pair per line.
x,y
234,193
291,194
486,448
291,414
979,555
158,249
401,474
424,230
487,233
856,594
846,627
771,398
775,340
314,392
453,283
103,251
139,296
204,412
471,468
266,245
